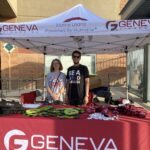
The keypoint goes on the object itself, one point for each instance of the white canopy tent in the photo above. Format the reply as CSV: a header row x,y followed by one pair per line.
x,y
77,28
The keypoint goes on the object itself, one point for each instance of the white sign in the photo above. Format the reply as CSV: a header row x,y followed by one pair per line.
x,y
9,47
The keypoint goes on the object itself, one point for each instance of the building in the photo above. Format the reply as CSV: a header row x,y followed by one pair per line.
x,y
139,61
27,65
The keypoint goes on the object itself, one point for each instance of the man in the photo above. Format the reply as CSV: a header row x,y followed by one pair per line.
x,y
77,81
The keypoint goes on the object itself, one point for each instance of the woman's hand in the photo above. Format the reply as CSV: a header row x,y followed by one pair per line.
x,y
55,96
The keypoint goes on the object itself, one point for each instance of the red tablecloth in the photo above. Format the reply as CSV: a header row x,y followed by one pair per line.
x,y
127,133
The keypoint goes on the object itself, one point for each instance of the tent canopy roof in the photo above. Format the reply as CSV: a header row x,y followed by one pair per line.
x,y
77,28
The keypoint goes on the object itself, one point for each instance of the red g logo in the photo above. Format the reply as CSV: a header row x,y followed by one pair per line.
x,y
22,143
111,25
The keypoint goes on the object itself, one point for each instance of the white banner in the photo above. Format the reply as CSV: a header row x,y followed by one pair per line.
x,y
49,29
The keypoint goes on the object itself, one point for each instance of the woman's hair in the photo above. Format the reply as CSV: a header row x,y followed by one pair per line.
x,y
52,65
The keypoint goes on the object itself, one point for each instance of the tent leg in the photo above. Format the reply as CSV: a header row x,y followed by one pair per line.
x,y
127,94
44,94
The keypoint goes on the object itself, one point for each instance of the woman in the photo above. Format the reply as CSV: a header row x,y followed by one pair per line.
x,y
55,82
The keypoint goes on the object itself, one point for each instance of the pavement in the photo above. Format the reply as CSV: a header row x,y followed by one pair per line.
x,y
120,92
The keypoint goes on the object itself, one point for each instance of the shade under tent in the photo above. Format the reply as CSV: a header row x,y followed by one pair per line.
x,y
77,28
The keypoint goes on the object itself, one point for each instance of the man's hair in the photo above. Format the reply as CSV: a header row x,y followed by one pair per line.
x,y
76,52
52,63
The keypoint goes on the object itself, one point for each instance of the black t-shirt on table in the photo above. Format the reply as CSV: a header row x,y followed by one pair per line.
x,y
76,77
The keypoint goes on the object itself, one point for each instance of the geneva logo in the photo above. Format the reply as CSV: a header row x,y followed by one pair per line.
x,y
128,24
23,144
111,25
16,138
21,27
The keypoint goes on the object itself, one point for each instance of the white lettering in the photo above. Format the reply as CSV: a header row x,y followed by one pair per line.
x,y
23,143
73,72
40,142
100,145
54,142
48,142
78,77
80,143
78,72
63,140
110,142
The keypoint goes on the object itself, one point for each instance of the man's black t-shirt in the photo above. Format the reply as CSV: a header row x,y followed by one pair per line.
x,y
76,77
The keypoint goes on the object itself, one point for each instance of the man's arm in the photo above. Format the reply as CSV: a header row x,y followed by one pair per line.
x,y
87,86
67,88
